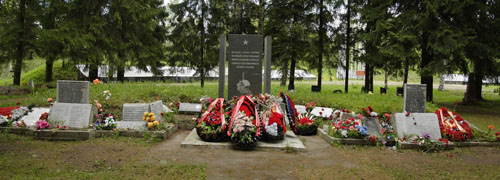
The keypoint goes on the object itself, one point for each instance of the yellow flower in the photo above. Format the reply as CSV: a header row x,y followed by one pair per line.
x,y
146,113
151,114
147,119
155,123
153,118
150,125
144,118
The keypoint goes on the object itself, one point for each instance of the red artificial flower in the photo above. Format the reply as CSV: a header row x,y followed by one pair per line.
x,y
444,140
305,120
404,138
383,130
18,103
491,127
322,109
387,116
275,118
497,134
457,103
57,126
162,114
372,138
407,113
360,116
370,108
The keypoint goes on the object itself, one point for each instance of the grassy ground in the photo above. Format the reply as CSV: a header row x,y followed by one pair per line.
x,y
483,114
128,158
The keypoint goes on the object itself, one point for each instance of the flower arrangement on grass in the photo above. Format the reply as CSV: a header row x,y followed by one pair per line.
x,y
151,121
244,126
348,128
368,112
105,121
305,125
42,122
290,110
211,126
174,106
424,142
6,111
272,118
453,127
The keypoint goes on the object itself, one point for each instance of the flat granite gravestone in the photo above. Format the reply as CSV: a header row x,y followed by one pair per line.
x,y
414,98
417,124
322,112
245,65
190,107
34,116
73,91
157,108
132,125
134,112
372,125
300,109
72,115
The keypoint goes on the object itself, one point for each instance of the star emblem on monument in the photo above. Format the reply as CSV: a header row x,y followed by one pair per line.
x,y
245,42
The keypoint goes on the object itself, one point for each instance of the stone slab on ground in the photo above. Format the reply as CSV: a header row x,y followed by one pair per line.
x,y
163,134
373,127
417,124
20,131
132,125
70,135
157,108
134,111
323,112
189,108
34,116
72,114
348,141
291,143
301,109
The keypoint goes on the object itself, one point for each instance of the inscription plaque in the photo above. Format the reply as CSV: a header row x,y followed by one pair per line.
x,y
73,91
414,98
245,65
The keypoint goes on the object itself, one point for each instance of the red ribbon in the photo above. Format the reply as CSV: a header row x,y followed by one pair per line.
x,y
210,107
237,108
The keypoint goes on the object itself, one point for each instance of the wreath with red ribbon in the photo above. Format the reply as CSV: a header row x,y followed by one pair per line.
x,y
212,124
245,125
453,126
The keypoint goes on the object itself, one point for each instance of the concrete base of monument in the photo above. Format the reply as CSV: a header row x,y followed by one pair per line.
x,y
70,135
290,143
20,131
161,134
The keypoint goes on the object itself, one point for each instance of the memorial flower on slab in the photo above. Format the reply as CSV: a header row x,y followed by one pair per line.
x,y
105,121
424,142
389,136
151,121
244,126
453,126
212,125
6,111
272,117
174,106
349,128
42,122
368,112
306,123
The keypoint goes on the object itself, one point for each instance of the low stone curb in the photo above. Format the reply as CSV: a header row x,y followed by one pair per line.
x,y
346,141
20,131
163,134
70,135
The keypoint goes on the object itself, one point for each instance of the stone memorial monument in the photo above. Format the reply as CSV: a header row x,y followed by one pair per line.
x,y
414,98
190,108
73,91
73,115
417,124
132,116
245,65
372,125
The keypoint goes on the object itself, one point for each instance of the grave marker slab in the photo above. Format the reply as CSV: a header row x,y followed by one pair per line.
x,y
134,112
414,98
72,115
190,107
325,112
73,91
300,109
417,124
34,116
132,125
157,108
245,65
372,125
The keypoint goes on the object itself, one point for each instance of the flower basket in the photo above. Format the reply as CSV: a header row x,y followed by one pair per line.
x,y
305,124
245,126
273,121
453,127
306,130
211,126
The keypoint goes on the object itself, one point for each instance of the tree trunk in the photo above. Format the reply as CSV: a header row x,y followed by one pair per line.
x,y
20,46
291,84
94,70
371,78
426,75
120,74
407,68
202,44
470,94
320,56
367,78
49,63
284,73
261,16
386,76
478,71
347,46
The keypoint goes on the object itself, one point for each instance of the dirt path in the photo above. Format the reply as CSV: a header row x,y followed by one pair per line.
x,y
325,161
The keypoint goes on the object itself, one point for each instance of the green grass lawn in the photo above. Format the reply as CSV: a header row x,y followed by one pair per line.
x,y
482,115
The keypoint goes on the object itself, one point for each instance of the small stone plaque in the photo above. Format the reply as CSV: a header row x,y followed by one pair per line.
x,y
34,116
73,91
414,98
245,65
132,125
134,112
72,114
300,109
372,125
157,108
417,124
322,112
190,107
